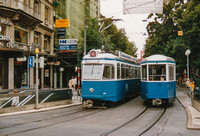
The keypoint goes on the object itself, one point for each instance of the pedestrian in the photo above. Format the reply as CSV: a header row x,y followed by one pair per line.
x,y
76,85
197,83
72,86
188,84
179,81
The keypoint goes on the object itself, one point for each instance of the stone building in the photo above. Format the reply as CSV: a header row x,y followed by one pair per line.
x,y
24,26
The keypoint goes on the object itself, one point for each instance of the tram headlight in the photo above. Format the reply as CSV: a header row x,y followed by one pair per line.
x,y
91,90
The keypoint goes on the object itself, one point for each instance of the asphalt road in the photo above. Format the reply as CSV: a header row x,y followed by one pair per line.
x,y
77,121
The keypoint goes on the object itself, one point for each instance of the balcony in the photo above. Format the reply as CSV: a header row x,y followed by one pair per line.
x,y
18,11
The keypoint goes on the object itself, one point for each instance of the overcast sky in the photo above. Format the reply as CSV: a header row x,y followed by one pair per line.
x,y
132,23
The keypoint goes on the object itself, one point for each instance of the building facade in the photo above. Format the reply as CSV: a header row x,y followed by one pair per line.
x,y
77,12
24,26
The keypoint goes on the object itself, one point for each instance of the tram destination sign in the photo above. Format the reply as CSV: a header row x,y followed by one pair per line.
x,y
126,56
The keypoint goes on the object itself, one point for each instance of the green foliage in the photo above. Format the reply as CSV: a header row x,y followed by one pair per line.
x,y
163,38
111,38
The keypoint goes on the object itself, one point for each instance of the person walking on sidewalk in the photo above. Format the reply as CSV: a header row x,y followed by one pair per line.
x,y
179,81
188,84
72,86
197,83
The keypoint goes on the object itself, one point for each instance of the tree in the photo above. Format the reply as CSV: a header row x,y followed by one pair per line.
x,y
163,38
111,38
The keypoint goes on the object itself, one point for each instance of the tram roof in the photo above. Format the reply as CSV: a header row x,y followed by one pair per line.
x,y
158,58
103,55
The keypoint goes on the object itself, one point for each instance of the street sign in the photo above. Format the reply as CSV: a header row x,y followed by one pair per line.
x,y
61,32
67,47
68,41
31,61
62,23
180,33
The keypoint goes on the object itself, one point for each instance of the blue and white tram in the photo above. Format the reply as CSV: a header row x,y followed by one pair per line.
x,y
158,79
107,77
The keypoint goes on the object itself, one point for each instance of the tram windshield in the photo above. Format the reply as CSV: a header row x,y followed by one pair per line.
x,y
157,72
92,71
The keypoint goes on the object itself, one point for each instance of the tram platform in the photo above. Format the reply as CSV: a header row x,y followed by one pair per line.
x,y
193,115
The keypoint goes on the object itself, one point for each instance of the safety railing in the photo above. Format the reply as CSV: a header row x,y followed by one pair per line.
x,y
25,97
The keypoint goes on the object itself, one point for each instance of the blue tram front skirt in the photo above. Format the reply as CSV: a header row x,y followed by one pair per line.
x,y
158,90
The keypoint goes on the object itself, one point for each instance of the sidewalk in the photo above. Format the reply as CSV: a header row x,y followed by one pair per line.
x,y
75,101
193,114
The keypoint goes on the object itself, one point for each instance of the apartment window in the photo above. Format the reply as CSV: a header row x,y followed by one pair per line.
x,y
36,38
36,5
46,43
3,30
46,15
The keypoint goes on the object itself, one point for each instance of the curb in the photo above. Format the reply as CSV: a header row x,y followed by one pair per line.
x,y
39,110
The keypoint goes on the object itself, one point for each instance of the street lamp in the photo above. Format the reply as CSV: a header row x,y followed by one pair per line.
x,y
187,53
36,91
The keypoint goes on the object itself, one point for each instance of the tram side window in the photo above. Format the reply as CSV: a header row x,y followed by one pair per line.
x,y
133,71
123,70
171,72
118,70
108,72
138,72
127,71
144,72
157,72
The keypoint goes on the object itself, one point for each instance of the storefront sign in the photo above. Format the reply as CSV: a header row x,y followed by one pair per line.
x,y
5,38
3,21
21,59
9,45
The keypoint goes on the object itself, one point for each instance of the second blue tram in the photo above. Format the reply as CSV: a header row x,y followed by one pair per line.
x,y
158,79
107,77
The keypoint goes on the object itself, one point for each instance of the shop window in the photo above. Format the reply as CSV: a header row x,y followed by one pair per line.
x,y
21,36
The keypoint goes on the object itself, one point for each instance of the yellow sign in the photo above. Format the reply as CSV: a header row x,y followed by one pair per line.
x,y
62,23
180,33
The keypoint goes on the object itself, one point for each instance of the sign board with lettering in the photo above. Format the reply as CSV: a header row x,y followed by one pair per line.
x,y
62,23
67,47
68,41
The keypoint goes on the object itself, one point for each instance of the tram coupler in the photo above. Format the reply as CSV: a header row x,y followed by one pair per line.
x,y
156,102
87,103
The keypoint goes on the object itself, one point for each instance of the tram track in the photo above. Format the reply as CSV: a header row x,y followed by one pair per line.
x,y
136,121
50,121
